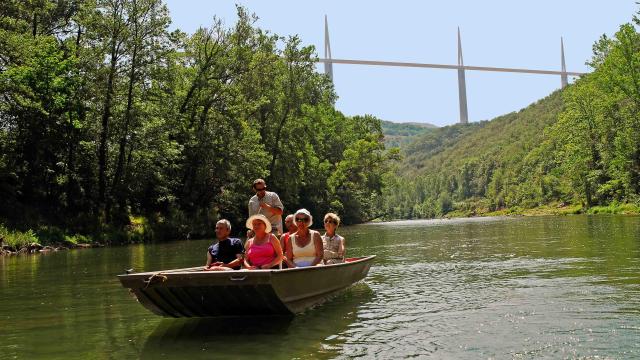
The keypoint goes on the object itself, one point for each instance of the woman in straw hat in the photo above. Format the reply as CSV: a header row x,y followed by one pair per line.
x,y
263,249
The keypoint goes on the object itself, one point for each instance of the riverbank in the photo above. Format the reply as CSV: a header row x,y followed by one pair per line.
x,y
559,209
33,248
46,238
51,238
13,242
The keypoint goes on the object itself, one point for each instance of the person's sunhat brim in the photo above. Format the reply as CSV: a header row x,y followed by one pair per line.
x,y
261,218
306,213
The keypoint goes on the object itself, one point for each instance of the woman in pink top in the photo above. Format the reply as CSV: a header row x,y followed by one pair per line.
x,y
263,249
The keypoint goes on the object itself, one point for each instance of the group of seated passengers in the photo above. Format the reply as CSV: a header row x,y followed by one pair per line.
x,y
298,247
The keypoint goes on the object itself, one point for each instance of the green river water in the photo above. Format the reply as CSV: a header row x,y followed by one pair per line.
x,y
541,287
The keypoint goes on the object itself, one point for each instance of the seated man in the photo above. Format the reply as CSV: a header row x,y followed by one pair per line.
x,y
227,253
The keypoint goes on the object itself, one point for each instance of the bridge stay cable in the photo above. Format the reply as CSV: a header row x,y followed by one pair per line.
x,y
328,62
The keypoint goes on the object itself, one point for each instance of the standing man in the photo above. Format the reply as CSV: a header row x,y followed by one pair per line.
x,y
227,253
268,204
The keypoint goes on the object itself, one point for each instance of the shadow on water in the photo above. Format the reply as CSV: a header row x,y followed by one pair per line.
x,y
302,336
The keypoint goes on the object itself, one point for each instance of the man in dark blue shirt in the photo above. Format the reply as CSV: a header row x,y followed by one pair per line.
x,y
227,253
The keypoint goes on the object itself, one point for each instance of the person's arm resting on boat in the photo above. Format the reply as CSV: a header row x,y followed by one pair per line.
x,y
238,248
341,248
317,240
210,263
235,263
288,252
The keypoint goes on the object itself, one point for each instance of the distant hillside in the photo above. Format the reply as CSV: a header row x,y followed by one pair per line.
x,y
400,134
489,165
577,150
507,138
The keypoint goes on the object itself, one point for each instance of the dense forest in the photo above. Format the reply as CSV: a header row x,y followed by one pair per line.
x,y
401,134
578,150
113,126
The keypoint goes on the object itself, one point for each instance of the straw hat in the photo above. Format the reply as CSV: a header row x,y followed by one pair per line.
x,y
261,218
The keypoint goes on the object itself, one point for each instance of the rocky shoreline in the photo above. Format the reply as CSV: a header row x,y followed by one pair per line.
x,y
35,248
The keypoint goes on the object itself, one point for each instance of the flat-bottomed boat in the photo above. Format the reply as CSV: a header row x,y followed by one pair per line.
x,y
193,292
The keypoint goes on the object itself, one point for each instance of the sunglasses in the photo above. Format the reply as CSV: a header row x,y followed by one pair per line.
x,y
261,189
302,220
331,221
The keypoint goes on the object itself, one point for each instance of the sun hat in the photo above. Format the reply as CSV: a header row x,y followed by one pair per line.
x,y
306,213
261,218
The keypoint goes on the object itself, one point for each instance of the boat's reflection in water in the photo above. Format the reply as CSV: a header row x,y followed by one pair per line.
x,y
317,332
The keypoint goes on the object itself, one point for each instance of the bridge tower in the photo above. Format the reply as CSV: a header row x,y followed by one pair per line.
x,y
564,81
462,85
328,65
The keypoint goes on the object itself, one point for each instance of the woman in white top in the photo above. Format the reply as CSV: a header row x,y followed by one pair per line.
x,y
332,243
304,247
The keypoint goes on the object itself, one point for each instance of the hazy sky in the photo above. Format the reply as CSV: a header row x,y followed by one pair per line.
x,y
520,34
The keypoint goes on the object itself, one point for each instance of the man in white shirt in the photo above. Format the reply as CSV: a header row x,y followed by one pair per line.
x,y
268,204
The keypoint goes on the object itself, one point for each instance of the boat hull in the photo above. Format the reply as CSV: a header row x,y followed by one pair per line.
x,y
192,292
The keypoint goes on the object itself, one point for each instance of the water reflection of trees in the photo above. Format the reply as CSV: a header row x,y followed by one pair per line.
x,y
270,337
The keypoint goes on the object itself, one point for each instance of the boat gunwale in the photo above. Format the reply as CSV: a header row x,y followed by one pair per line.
x,y
263,272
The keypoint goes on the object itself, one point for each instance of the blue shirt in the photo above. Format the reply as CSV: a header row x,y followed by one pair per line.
x,y
226,250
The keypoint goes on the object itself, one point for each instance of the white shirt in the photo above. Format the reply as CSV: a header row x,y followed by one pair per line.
x,y
272,199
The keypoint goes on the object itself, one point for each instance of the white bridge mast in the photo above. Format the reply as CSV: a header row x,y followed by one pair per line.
x,y
462,87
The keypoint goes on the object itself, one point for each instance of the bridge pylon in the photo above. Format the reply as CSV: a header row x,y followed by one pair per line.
x,y
328,65
564,80
462,85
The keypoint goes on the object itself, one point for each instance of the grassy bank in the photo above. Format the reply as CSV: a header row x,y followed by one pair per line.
x,y
29,240
550,209
16,239
138,229
615,208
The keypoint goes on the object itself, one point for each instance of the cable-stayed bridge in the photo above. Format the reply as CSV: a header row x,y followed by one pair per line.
x,y
328,61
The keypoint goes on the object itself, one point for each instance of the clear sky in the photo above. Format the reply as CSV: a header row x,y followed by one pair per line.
x,y
519,34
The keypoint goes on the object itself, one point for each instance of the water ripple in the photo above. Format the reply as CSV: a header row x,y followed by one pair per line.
x,y
479,302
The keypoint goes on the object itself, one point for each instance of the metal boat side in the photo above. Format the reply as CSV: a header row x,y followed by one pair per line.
x,y
191,292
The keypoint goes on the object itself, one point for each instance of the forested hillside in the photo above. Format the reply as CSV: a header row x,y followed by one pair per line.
x,y
577,148
113,126
480,165
401,134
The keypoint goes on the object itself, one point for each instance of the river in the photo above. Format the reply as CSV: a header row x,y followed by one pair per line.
x,y
526,287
